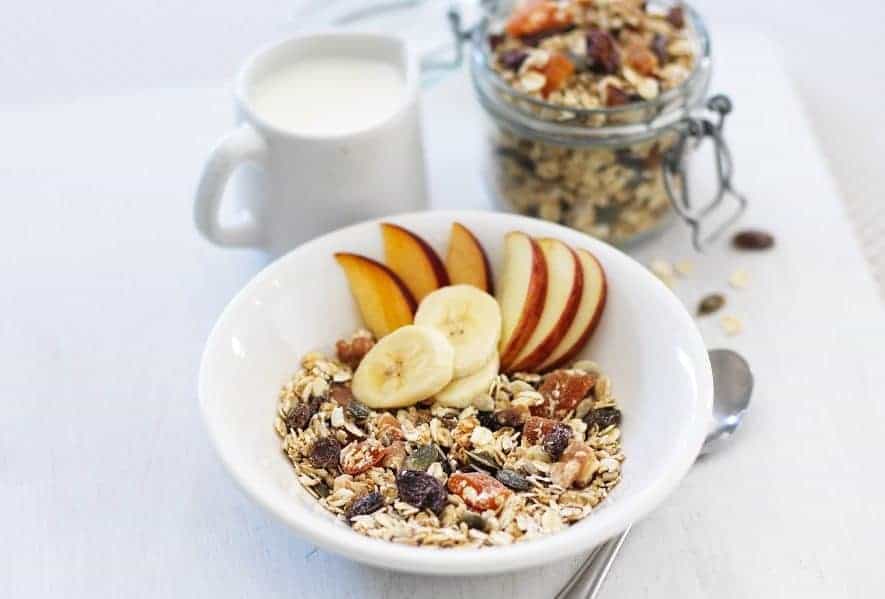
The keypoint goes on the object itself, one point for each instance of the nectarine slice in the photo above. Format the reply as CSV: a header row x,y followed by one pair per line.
x,y
413,260
522,290
588,315
466,260
565,282
384,301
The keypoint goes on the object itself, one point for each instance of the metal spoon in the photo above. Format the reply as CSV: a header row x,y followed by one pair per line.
x,y
732,387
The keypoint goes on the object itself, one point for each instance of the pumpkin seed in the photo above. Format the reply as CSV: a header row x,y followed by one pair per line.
x,y
421,458
513,480
482,461
475,521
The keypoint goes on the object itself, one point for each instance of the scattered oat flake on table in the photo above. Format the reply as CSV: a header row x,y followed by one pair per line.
x,y
739,278
684,267
663,270
731,325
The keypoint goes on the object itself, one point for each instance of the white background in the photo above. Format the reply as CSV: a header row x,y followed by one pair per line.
x,y
108,486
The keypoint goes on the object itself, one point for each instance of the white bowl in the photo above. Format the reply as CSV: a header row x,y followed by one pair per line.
x,y
646,341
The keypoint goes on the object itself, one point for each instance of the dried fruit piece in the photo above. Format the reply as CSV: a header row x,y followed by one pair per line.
x,y
495,40
642,60
676,17
488,420
576,467
603,417
366,504
360,456
659,47
421,490
602,52
710,304
351,352
479,491
482,461
421,457
358,410
562,391
557,71
557,439
299,417
325,453
537,16
753,239
513,417
513,59
536,428
615,96
341,395
513,480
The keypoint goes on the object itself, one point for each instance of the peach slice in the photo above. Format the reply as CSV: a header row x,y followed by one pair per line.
x,y
565,283
466,261
413,260
522,290
384,301
589,312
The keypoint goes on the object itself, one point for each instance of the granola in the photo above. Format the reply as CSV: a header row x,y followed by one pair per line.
x,y
577,55
533,455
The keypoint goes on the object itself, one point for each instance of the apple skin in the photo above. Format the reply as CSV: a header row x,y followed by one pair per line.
x,y
533,301
406,264
368,277
567,311
467,261
569,354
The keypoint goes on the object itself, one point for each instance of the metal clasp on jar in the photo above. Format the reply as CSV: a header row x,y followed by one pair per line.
x,y
694,130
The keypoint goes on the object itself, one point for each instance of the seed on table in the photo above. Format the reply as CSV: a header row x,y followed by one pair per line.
x,y
753,239
710,304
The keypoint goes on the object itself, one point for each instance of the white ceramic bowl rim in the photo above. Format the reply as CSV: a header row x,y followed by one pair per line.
x,y
617,515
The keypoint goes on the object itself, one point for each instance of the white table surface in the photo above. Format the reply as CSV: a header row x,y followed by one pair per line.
x,y
108,485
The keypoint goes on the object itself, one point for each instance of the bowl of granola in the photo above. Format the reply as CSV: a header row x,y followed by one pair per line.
x,y
477,381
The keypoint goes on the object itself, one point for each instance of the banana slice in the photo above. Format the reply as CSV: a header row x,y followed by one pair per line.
x,y
405,367
471,320
460,393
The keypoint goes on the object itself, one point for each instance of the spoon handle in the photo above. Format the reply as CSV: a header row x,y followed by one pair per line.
x,y
587,581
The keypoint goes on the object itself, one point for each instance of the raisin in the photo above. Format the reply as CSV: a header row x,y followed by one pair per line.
x,y
557,440
479,491
512,59
365,505
325,453
602,52
536,428
753,239
488,420
676,17
513,480
356,458
358,410
710,304
299,417
352,352
615,96
421,458
421,490
603,417
495,40
659,47
341,395
562,391
512,417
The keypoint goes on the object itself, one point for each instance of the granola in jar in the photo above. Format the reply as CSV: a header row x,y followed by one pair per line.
x,y
585,99
532,455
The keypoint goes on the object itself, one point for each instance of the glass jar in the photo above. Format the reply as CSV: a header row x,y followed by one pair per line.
x,y
616,173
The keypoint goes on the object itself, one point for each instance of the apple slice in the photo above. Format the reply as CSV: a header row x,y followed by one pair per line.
x,y
589,312
522,289
565,282
385,302
466,261
413,260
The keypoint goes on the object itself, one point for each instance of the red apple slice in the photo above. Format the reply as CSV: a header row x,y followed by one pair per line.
x,y
565,282
522,289
466,261
589,313
413,260
384,301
